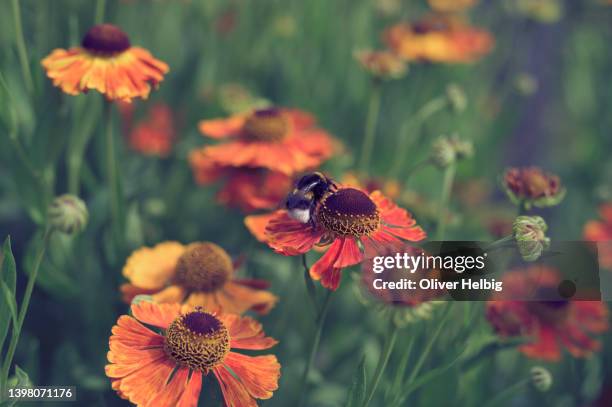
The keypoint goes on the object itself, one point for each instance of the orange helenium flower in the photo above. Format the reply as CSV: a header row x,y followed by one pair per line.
x,y
601,231
105,62
282,140
154,136
167,368
199,274
354,224
442,39
550,320
249,189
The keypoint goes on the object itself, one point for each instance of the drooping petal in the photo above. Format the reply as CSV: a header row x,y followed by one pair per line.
x,y
152,268
222,128
259,374
290,237
324,270
246,333
235,393
159,315
192,391
173,293
236,298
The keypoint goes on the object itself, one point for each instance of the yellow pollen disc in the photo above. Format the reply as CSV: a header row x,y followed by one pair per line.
x,y
197,340
348,212
203,267
266,125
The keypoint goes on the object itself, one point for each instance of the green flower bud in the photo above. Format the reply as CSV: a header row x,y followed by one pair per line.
x,y
442,152
541,378
456,97
68,214
530,235
447,150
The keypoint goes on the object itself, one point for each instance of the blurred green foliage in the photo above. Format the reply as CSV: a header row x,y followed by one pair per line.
x,y
542,97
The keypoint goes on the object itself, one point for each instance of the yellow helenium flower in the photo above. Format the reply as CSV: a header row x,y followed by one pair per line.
x,y
199,274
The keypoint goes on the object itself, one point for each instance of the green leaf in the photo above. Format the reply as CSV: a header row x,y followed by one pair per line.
x,y
22,377
8,276
9,299
357,392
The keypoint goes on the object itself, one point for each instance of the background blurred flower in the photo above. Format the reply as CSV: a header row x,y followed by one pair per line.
x,y
355,225
447,150
601,231
451,6
107,63
199,274
154,136
381,64
167,369
438,38
551,321
543,11
282,140
530,186
246,188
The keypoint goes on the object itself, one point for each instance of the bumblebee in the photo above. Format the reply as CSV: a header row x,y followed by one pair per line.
x,y
309,191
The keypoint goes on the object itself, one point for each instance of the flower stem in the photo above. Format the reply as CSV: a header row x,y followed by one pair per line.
x,y
414,124
25,303
21,48
505,393
100,7
111,164
425,353
370,127
315,346
447,185
383,360
310,288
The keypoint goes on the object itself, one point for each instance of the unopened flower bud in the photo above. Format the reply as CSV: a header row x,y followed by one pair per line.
x,y
456,97
442,152
530,235
541,378
447,150
68,214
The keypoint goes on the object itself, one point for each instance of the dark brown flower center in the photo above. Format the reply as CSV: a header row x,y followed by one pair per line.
x,y
348,212
550,308
197,340
105,39
266,125
203,267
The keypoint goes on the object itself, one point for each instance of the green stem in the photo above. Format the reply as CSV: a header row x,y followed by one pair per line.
x,y
25,303
425,353
370,127
501,243
21,48
382,361
447,185
111,164
315,347
413,124
505,393
100,7
401,367
310,288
